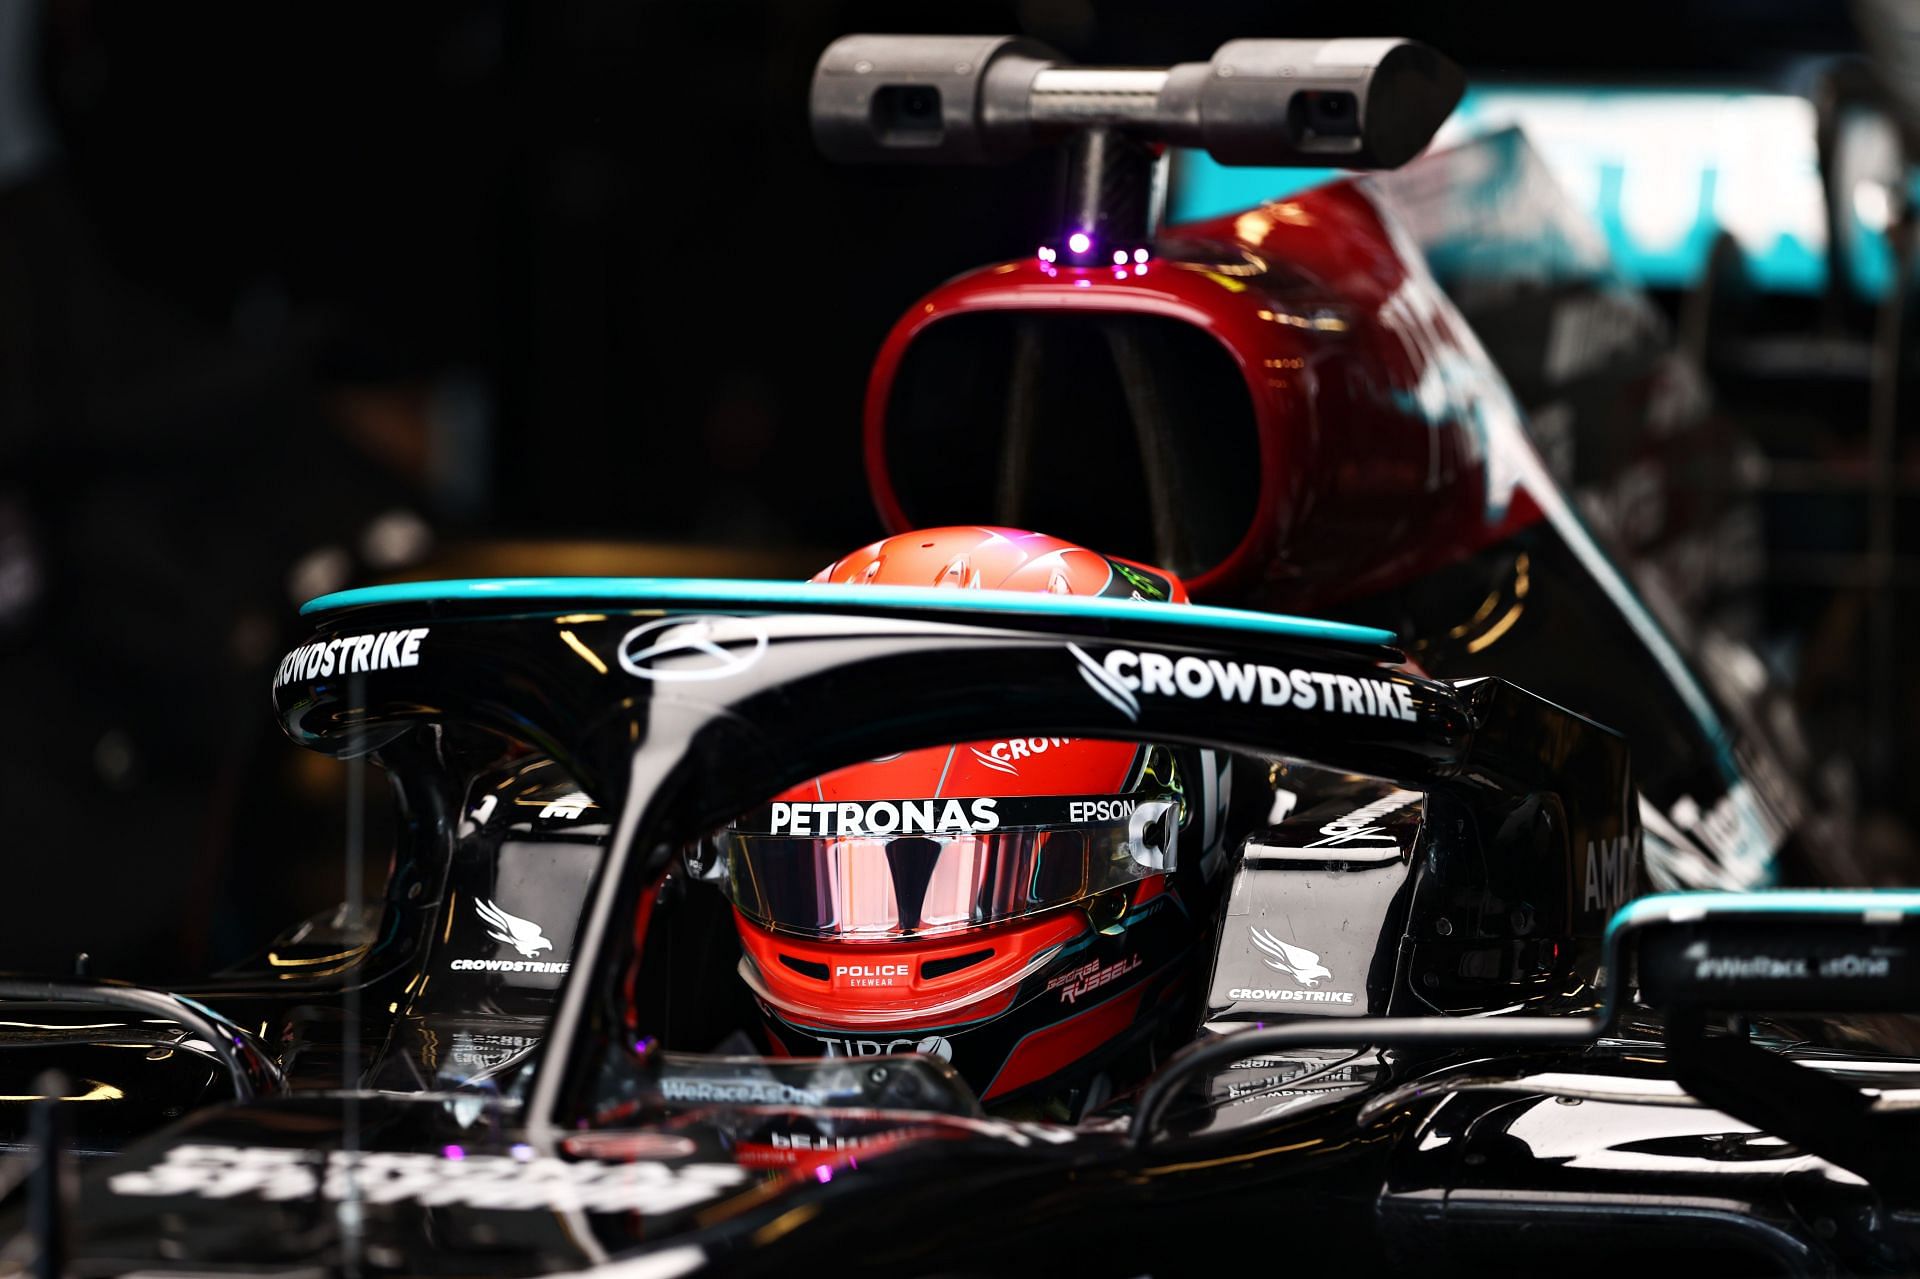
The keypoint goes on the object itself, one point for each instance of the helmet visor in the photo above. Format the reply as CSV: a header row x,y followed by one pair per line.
x,y
911,868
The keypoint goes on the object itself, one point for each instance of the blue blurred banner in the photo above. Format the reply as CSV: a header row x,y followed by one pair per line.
x,y
1659,173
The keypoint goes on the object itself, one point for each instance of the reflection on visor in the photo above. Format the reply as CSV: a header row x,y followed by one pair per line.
x,y
850,880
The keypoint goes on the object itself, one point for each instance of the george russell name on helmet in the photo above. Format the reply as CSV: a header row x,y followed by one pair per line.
x,y
885,817
1305,690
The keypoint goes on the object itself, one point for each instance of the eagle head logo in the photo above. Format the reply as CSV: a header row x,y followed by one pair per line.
x,y
1302,965
522,934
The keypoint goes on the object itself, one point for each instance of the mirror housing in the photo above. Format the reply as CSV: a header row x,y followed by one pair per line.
x,y
1778,952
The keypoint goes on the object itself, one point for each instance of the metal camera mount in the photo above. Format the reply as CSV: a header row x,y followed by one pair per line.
x,y
1359,104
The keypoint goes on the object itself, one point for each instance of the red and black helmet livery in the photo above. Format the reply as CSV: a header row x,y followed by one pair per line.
x,y
1024,908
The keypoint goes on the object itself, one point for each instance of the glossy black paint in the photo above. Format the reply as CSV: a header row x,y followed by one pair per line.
x,y
1344,863
1341,1153
1566,1177
127,1076
1530,1174
1529,791
343,998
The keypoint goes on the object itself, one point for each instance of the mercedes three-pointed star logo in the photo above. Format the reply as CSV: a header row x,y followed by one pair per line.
x,y
697,653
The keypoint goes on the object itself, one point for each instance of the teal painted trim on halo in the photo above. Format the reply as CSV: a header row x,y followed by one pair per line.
x,y
1661,907
671,591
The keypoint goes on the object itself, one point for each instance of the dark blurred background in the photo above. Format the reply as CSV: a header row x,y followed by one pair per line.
x,y
297,296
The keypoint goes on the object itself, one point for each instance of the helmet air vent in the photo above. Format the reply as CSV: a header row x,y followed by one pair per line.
x,y
806,967
953,963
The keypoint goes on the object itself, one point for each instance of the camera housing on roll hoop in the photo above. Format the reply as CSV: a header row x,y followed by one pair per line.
x,y
1357,103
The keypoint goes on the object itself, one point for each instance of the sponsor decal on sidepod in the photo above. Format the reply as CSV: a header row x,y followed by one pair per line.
x,y
524,1180
523,935
1358,825
1297,962
1610,874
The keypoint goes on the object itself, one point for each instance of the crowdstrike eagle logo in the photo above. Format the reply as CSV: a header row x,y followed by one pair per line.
x,y
1110,689
1296,962
997,765
1123,675
523,935
1300,964
691,648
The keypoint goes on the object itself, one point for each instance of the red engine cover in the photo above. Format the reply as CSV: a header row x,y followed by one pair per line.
x,y
1388,442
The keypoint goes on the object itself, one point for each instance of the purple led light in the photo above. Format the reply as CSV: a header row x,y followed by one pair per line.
x,y
1079,242
454,1152
522,1151
823,1174
1046,254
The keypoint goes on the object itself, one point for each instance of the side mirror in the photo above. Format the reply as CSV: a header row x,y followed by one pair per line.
x,y
1778,952
1695,953
1701,954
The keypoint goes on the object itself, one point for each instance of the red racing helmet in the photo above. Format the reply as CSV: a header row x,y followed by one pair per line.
x,y
1026,908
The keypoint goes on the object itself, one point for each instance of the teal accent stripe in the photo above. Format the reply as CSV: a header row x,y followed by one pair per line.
x,y
677,592
1678,907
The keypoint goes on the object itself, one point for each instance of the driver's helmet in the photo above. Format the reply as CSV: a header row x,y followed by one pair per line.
x,y
1026,909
